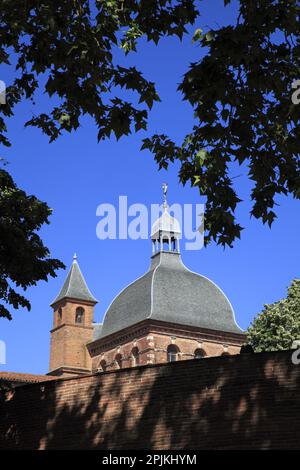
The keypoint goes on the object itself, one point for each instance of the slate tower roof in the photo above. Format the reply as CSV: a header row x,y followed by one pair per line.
x,y
75,286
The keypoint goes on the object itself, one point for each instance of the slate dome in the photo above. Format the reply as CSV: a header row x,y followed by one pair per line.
x,y
170,292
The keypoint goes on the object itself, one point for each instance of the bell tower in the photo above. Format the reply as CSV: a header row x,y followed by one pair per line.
x,y
73,314
165,232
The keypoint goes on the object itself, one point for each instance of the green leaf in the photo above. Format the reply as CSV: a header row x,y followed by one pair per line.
x,y
197,35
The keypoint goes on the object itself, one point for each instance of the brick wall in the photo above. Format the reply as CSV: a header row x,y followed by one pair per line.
x,y
151,339
153,347
245,401
68,339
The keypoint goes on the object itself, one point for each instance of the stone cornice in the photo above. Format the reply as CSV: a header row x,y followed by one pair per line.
x,y
194,332
68,369
124,336
77,325
65,300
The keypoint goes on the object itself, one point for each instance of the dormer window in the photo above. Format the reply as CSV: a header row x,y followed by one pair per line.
x,y
79,316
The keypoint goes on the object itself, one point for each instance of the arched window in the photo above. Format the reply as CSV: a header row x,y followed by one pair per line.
x,y
166,244
59,316
135,357
199,354
79,316
118,360
172,353
103,365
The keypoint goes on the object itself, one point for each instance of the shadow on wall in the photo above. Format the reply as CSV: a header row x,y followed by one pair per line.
x,y
246,401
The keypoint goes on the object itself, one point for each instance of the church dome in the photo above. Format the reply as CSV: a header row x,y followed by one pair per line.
x,y
171,293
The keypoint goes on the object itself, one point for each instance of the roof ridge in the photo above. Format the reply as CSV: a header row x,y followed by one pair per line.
x,y
152,290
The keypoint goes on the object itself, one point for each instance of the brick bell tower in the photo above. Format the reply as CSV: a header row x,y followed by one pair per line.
x,y
73,314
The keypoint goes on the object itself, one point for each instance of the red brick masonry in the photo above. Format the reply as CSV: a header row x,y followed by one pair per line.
x,y
234,402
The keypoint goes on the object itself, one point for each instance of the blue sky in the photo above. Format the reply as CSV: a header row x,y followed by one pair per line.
x,y
76,174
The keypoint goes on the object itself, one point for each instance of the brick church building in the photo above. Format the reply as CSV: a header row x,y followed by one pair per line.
x,y
168,314
134,381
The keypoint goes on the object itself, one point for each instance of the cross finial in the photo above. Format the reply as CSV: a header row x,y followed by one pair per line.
x,y
74,258
165,190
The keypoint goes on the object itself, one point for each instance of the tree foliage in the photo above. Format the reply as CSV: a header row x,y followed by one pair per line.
x,y
66,49
24,259
241,95
278,325
240,90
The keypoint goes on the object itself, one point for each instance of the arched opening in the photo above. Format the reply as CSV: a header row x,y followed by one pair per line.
x,y
172,353
166,244
79,315
225,354
59,316
199,354
118,361
103,365
135,355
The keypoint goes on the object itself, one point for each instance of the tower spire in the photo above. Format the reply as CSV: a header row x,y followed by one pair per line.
x,y
75,286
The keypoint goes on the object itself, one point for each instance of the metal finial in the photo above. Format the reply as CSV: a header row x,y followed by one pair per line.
x,y
74,257
165,190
